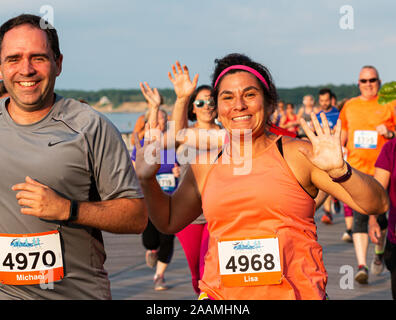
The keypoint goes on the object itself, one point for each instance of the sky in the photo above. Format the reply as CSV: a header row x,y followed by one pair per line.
x,y
119,43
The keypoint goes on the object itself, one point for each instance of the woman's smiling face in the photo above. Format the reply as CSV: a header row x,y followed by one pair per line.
x,y
241,103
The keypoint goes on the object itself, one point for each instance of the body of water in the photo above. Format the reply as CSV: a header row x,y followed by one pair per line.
x,y
124,121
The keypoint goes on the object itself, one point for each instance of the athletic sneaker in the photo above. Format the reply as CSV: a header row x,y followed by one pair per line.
x,y
159,283
362,275
151,258
377,265
327,218
347,236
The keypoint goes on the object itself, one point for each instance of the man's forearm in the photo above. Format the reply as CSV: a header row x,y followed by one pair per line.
x,y
116,216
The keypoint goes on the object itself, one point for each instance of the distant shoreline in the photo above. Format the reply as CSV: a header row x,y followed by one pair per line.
x,y
132,100
128,107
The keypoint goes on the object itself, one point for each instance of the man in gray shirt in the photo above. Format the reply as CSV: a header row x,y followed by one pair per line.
x,y
65,175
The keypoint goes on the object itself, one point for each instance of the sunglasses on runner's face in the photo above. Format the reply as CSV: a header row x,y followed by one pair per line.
x,y
201,103
372,80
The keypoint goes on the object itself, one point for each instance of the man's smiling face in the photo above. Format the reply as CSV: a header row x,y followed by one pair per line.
x,y
28,68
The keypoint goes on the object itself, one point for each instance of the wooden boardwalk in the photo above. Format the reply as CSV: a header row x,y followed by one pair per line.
x,y
132,279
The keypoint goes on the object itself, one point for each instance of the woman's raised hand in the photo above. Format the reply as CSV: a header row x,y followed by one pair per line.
x,y
182,83
152,96
326,151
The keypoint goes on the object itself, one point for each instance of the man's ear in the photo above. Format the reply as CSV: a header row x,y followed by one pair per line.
x,y
59,64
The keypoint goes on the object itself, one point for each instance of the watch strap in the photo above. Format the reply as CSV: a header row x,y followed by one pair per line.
x,y
73,211
345,176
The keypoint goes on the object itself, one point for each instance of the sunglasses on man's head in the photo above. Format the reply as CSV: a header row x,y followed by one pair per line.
x,y
372,80
201,103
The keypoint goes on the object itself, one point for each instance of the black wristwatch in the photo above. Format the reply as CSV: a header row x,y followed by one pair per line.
x,y
73,211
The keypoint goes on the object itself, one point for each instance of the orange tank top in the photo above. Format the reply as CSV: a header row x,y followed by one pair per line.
x,y
268,201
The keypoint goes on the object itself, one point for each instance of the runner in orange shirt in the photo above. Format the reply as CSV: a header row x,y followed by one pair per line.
x,y
366,127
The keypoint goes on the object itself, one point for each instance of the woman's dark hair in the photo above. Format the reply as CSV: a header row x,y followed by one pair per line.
x,y
270,95
290,104
37,22
191,115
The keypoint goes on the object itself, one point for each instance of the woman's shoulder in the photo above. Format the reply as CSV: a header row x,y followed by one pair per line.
x,y
293,155
298,163
295,143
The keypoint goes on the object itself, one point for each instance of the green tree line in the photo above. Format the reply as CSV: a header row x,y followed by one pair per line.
x,y
119,96
295,95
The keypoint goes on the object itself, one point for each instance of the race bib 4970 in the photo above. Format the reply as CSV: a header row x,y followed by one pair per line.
x,y
27,259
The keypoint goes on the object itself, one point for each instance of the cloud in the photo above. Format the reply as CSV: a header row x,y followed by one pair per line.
x,y
389,40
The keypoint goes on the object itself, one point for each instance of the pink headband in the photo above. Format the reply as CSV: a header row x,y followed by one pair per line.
x,y
242,67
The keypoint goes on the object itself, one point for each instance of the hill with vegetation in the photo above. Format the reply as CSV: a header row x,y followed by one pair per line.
x,y
118,97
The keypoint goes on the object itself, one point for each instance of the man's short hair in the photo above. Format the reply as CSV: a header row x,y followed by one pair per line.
x,y
371,67
36,22
324,91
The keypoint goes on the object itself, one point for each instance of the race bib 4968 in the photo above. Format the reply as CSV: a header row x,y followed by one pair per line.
x,y
27,259
250,262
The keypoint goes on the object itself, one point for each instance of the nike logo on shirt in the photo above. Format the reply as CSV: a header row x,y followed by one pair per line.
x,y
50,144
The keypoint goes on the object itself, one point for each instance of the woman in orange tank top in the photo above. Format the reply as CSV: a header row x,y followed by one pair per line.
x,y
257,193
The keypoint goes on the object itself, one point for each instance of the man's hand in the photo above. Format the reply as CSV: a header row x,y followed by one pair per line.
x,y
41,201
383,131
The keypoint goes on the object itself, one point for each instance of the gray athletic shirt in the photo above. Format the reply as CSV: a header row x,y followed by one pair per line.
x,y
79,154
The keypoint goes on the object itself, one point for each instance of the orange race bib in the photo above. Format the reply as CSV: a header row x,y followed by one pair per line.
x,y
27,259
249,262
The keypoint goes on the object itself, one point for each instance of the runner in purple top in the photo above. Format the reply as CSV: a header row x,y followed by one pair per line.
x,y
385,173
159,246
